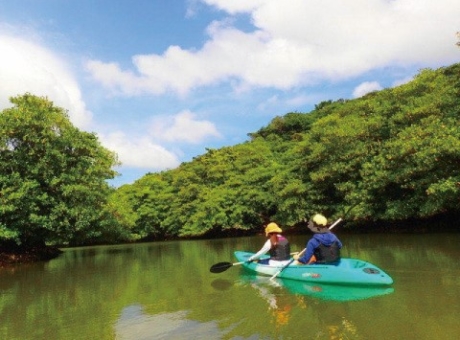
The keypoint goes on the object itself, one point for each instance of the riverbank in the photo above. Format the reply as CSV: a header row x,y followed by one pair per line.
x,y
11,255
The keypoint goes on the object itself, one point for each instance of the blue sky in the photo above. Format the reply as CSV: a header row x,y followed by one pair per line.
x,y
160,81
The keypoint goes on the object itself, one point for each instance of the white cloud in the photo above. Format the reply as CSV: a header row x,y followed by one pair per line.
x,y
366,87
139,152
182,127
148,151
294,43
26,66
236,6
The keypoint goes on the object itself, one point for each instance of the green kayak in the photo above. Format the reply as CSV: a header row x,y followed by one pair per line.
x,y
347,271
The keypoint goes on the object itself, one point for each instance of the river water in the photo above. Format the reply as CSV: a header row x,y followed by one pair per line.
x,y
164,290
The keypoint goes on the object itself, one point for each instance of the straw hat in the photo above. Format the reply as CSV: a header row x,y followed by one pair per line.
x,y
272,228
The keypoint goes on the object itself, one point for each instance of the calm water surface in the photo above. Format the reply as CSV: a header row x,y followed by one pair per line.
x,y
164,290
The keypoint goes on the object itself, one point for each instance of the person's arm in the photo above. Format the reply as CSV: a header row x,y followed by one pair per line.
x,y
339,243
311,245
265,248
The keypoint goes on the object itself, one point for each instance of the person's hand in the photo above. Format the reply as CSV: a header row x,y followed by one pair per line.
x,y
295,257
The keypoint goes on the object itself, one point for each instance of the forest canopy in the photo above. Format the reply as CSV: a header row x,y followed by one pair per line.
x,y
53,187
389,156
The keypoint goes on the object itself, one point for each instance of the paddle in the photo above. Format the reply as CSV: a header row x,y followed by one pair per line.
x,y
223,266
300,254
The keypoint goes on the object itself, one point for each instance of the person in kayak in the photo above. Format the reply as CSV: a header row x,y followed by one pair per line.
x,y
277,246
323,247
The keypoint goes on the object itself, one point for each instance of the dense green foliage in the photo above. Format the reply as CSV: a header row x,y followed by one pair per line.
x,y
391,155
53,185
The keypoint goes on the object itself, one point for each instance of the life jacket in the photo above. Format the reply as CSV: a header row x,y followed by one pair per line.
x,y
327,254
282,250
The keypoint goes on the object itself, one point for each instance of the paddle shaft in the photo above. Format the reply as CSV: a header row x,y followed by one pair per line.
x,y
335,223
292,260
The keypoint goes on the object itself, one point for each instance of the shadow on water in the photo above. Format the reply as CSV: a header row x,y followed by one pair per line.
x,y
222,284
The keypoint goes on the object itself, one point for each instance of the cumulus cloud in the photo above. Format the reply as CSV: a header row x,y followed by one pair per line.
x,y
139,152
295,43
182,127
365,88
26,66
236,6
149,151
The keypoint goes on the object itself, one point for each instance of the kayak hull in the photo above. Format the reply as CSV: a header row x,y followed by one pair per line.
x,y
348,271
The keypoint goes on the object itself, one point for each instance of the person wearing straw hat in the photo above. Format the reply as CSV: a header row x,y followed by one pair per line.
x,y
277,246
323,247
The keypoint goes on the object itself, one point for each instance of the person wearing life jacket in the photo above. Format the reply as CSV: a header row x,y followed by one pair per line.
x,y
323,247
277,246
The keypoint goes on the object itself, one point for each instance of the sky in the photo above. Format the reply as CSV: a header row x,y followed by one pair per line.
x,y
162,81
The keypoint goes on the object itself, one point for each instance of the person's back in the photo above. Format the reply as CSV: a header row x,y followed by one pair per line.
x,y
277,246
323,247
328,250
280,250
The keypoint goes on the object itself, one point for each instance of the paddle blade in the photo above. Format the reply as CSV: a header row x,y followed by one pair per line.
x,y
220,267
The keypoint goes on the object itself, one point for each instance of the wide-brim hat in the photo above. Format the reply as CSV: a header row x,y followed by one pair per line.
x,y
272,228
318,224
317,229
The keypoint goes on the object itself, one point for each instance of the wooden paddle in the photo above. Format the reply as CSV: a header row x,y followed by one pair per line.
x,y
300,254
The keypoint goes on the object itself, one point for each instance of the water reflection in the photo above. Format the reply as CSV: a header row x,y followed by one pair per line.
x,y
327,292
135,325
164,290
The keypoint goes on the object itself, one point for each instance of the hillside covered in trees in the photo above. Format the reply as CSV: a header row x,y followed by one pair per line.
x,y
391,156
